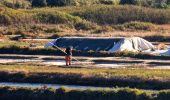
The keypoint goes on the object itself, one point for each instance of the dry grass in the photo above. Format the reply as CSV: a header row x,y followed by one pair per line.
x,y
103,72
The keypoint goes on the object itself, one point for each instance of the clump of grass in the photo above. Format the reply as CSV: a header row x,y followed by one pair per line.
x,y
103,29
85,25
137,26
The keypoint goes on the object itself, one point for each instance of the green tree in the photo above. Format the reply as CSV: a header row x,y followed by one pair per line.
x,y
57,2
39,3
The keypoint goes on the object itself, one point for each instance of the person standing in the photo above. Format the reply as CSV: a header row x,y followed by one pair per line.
x,y
68,56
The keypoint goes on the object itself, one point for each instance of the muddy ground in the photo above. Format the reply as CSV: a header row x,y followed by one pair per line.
x,y
89,62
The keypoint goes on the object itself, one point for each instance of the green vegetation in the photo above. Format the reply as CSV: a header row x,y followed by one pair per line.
x,y
148,3
137,26
39,3
122,14
58,3
42,3
145,79
84,18
57,21
16,3
53,18
77,94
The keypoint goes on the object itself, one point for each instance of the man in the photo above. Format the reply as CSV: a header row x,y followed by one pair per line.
x,y
68,56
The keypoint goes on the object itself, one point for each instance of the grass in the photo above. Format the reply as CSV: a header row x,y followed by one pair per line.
x,y
114,14
137,26
141,73
135,78
44,93
83,20
79,94
122,14
19,44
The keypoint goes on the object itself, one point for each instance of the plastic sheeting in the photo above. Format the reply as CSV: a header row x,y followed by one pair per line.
x,y
109,44
132,44
86,43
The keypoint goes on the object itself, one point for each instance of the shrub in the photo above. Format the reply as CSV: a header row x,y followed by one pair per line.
x,y
52,30
54,36
103,29
58,2
55,18
16,3
109,2
5,19
137,26
79,2
39,3
84,25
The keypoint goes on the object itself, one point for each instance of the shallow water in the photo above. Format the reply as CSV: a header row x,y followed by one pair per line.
x,y
57,62
56,86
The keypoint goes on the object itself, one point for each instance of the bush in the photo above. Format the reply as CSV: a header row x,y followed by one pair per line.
x,y
39,3
5,19
52,30
137,26
58,2
55,18
16,3
84,25
80,2
109,2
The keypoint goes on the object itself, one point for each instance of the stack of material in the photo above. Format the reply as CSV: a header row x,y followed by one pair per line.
x,y
103,43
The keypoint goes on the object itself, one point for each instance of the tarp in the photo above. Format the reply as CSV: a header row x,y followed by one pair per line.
x,y
86,43
110,44
165,52
132,44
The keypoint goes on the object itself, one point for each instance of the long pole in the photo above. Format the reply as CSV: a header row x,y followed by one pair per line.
x,y
64,52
